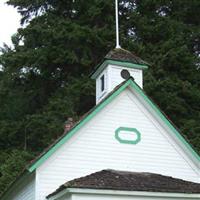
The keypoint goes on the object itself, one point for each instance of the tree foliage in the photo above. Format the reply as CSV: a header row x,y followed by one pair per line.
x,y
44,76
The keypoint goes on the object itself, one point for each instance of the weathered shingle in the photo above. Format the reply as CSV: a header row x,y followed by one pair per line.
x,y
124,55
132,181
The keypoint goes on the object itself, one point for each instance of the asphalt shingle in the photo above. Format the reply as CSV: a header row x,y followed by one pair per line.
x,y
132,181
124,55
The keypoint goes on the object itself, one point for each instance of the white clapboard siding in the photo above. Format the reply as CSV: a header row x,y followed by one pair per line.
x,y
94,148
116,79
24,190
112,75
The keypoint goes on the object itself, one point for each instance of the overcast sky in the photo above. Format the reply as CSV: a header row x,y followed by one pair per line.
x,y
9,22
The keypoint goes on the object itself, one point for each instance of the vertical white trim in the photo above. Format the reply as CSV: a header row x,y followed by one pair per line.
x,y
37,180
109,78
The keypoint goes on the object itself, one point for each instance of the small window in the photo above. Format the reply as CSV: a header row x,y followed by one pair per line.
x,y
102,80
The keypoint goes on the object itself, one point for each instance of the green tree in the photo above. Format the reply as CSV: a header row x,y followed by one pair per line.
x,y
167,33
12,164
44,77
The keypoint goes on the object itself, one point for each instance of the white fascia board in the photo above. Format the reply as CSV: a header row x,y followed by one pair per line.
x,y
123,193
60,194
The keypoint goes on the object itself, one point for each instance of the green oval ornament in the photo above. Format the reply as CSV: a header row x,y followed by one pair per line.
x,y
122,131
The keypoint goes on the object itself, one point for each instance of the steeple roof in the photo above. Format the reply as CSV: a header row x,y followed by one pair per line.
x,y
124,55
120,57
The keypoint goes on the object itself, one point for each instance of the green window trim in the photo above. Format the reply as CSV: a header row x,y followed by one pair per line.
x,y
123,141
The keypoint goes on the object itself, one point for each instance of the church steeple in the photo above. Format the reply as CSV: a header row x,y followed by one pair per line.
x,y
118,64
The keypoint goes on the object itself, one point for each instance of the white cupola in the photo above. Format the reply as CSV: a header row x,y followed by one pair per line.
x,y
118,65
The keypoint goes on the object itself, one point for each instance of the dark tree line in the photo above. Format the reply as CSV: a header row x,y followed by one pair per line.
x,y
44,76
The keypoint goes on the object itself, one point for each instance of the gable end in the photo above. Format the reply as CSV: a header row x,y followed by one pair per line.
x,y
129,83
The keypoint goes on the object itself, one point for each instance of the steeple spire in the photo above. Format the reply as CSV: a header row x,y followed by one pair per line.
x,y
117,24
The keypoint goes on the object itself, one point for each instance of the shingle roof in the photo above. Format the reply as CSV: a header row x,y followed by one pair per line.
x,y
132,181
124,55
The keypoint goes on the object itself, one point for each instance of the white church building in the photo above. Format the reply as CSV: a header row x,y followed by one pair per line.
x,y
125,148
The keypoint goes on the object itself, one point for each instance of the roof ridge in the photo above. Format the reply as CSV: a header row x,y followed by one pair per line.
x,y
114,171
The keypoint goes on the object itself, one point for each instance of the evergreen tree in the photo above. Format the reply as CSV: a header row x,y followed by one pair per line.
x,y
44,77
168,35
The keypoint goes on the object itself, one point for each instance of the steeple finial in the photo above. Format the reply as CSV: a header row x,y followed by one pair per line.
x,y
117,24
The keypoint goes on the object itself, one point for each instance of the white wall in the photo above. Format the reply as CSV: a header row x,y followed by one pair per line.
x,y
116,79
94,148
24,190
113,78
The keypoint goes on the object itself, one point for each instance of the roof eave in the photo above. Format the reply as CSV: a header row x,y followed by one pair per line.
x,y
122,193
126,64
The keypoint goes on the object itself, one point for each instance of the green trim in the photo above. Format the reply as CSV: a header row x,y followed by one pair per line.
x,y
126,64
164,119
118,63
134,130
98,108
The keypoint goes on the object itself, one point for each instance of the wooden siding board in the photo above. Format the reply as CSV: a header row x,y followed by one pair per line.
x,y
38,162
116,79
99,107
153,154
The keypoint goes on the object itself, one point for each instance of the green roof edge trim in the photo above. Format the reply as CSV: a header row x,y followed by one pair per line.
x,y
107,62
127,64
77,127
99,107
165,120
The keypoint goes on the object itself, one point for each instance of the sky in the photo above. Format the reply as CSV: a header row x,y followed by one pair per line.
x,y
9,22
